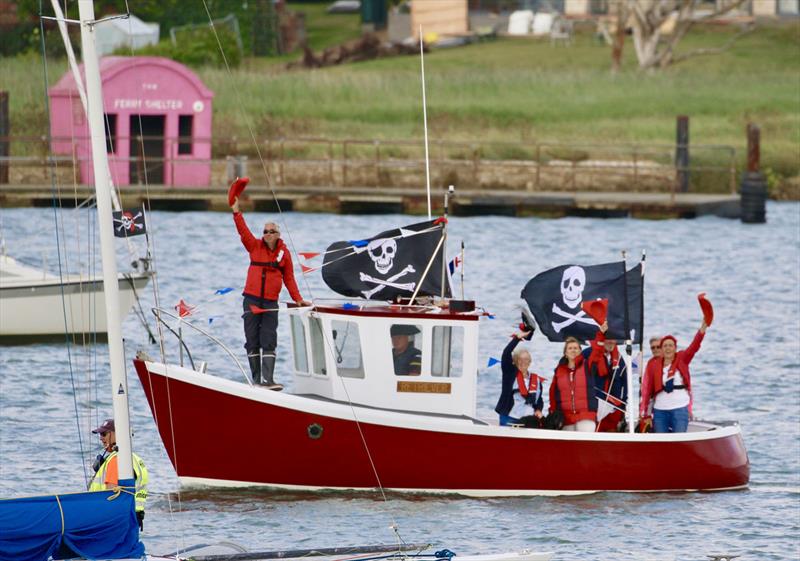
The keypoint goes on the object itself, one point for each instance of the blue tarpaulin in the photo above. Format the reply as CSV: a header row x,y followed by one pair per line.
x,y
73,525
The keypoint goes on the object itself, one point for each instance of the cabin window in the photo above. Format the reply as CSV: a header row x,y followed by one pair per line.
x,y
317,346
406,349
347,349
185,123
447,358
299,344
111,132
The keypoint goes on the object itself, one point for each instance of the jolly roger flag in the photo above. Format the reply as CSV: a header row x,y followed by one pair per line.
x,y
555,298
388,265
129,223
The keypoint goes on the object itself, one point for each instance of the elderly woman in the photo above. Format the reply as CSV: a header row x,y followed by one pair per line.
x,y
514,364
573,390
668,383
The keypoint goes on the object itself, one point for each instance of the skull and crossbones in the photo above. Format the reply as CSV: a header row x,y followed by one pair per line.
x,y
380,284
573,283
127,221
382,252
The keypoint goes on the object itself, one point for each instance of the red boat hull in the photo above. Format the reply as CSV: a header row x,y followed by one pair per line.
x,y
221,438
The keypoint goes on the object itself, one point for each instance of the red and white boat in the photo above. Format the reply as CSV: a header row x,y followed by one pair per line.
x,y
352,423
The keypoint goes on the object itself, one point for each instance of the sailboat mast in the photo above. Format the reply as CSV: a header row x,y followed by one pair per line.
x,y
94,95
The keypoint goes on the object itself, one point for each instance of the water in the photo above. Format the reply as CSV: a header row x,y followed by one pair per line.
x,y
747,370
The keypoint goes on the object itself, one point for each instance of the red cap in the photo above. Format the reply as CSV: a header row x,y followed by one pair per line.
x,y
236,189
597,309
708,310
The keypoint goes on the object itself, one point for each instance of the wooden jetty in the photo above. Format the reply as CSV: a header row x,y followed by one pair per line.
x,y
372,200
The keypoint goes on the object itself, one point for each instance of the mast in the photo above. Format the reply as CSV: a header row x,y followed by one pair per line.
x,y
94,94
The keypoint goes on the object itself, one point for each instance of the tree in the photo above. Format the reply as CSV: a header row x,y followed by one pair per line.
x,y
659,25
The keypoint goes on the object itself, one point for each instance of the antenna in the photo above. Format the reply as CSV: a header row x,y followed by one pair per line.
x,y
425,121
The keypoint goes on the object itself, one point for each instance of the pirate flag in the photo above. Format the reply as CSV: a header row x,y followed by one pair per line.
x,y
129,223
388,265
555,298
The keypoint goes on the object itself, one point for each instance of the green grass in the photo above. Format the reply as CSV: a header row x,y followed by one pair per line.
x,y
508,90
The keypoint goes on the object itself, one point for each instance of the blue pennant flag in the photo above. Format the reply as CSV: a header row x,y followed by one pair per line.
x,y
349,306
223,291
492,362
358,243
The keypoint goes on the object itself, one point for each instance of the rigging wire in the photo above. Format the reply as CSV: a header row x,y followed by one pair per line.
x,y
55,188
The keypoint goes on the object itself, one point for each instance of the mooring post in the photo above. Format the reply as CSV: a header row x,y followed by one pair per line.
x,y
682,153
754,185
5,131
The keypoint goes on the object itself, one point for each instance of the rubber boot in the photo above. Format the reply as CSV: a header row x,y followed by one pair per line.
x,y
268,367
255,368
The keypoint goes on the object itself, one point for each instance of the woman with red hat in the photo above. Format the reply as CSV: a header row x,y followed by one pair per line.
x,y
668,383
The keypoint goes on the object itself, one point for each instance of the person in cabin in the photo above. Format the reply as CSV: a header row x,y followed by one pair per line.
x,y
106,469
514,364
573,390
667,382
610,374
270,269
407,358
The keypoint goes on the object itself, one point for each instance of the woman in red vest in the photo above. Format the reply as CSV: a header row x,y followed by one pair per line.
x,y
667,381
572,391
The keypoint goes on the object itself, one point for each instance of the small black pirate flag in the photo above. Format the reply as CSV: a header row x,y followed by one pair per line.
x,y
388,265
555,298
129,223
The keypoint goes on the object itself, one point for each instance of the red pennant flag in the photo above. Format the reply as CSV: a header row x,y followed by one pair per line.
x,y
256,310
308,254
441,220
306,269
184,309
708,310
237,187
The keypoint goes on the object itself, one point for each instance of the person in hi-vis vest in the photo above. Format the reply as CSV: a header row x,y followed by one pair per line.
x,y
107,471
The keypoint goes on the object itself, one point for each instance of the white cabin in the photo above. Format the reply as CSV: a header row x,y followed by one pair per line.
x,y
344,353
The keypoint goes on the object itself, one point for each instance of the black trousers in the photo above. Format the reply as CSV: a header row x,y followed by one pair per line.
x,y
260,330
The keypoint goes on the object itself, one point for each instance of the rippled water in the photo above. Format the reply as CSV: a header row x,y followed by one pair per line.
x,y
748,369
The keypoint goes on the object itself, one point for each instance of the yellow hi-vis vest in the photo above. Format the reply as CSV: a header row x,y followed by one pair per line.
x,y
140,477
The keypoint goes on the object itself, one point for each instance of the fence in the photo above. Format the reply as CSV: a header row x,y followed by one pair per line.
x,y
386,164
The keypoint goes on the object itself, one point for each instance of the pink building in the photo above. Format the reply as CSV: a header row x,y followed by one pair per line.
x,y
158,122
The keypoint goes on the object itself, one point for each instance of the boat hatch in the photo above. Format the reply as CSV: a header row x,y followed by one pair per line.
x,y
383,357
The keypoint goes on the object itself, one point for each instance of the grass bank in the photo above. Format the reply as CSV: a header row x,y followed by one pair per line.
x,y
505,90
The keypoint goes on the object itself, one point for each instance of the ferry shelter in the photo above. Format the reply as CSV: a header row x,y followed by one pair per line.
x,y
158,122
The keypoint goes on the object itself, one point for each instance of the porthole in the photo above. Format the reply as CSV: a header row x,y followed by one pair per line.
x,y
314,431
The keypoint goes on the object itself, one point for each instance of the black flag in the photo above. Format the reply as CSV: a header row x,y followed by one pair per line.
x,y
555,298
129,223
388,265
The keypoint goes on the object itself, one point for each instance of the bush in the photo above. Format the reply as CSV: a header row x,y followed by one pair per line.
x,y
196,48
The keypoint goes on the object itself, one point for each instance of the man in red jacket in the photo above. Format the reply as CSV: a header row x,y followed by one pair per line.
x,y
270,268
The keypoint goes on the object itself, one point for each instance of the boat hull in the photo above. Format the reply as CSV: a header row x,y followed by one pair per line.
x,y
222,433
36,309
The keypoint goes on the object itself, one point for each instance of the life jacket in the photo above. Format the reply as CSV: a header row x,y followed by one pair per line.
x,y
574,392
140,474
658,382
534,385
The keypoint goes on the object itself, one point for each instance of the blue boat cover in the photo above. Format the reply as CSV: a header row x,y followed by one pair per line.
x,y
84,524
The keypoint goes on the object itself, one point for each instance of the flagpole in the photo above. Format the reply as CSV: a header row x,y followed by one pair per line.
x,y
425,272
425,121
641,313
628,344
450,192
462,269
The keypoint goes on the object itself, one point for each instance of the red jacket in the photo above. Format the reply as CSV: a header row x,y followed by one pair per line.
x,y
269,268
652,383
573,395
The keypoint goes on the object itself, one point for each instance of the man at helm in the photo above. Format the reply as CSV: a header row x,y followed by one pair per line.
x,y
107,471
406,357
